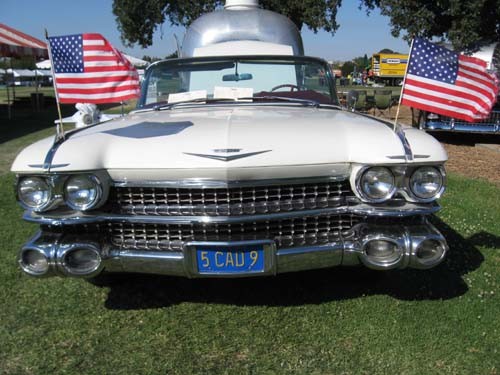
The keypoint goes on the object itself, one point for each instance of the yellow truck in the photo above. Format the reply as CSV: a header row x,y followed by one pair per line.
x,y
389,68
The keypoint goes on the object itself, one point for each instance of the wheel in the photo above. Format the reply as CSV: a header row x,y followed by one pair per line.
x,y
286,85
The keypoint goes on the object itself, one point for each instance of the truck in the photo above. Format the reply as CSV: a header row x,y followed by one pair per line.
x,y
389,68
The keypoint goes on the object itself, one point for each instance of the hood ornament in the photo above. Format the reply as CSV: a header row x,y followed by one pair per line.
x,y
227,154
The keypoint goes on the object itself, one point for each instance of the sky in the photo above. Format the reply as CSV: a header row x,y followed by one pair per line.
x,y
358,33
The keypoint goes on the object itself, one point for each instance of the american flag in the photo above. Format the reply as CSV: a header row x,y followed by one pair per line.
x,y
88,69
447,83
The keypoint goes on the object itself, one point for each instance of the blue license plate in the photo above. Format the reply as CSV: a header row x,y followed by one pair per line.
x,y
230,260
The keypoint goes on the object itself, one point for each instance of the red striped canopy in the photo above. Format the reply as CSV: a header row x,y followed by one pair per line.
x,y
14,43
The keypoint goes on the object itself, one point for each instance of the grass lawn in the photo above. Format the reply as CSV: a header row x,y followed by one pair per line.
x,y
337,321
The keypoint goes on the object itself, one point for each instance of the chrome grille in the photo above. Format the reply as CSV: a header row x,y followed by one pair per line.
x,y
294,232
228,201
492,120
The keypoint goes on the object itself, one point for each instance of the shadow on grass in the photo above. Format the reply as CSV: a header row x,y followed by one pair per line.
x,y
466,138
24,120
130,292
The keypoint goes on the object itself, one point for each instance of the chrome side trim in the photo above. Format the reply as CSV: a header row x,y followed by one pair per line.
x,y
75,218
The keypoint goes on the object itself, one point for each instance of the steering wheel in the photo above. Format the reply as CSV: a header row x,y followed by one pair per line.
x,y
288,85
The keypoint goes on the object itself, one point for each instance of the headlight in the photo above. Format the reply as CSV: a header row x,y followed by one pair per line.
x,y
34,193
377,184
82,192
426,182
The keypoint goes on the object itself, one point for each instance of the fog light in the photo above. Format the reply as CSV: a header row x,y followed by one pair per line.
x,y
34,262
382,251
82,261
429,251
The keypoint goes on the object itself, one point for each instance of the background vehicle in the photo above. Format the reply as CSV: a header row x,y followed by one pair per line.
x,y
389,68
491,125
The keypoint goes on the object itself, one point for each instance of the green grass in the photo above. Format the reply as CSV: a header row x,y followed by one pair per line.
x,y
23,92
337,321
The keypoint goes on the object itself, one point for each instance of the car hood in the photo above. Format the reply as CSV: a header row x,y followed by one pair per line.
x,y
233,136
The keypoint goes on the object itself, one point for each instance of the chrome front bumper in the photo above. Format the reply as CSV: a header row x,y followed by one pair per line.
x,y
408,240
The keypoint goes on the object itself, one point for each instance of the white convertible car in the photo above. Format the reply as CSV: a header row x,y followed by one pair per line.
x,y
238,161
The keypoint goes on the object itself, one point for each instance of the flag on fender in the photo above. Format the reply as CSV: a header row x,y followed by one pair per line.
x,y
447,83
88,69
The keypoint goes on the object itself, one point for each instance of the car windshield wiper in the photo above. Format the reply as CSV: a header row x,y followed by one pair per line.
x,y
307,102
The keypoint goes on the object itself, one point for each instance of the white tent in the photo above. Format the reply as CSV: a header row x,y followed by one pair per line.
x,y
135,61
18,73
45,64
44,73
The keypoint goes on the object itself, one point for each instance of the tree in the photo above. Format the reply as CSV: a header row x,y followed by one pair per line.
x,y
466,24
347,68
138,19
386,50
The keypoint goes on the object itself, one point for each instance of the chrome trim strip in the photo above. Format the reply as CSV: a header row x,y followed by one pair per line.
x,y
459,128
152,262
408,152
212,184
51,166
47,164
76,218
228,157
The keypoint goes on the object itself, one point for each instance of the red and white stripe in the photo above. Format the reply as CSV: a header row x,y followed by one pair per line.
x,y
108,76
14,43
470,98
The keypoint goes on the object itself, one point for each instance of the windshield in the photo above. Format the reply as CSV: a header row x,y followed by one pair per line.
x,y
238,78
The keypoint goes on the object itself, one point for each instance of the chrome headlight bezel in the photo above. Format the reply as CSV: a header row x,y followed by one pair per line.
x,y
365,195
438,192
96,198
46,204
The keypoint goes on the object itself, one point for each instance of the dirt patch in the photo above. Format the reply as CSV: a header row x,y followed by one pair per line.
x,y
464,157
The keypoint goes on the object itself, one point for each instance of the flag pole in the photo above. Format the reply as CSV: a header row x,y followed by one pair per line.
x,y
403,86
59,127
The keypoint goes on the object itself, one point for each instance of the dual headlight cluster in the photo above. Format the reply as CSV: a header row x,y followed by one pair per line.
x,y
79,192
378,184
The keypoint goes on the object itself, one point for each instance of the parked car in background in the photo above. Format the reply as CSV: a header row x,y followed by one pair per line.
x,y
491,125
237,162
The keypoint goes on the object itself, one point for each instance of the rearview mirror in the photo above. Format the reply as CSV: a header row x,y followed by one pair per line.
x,y
237,77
